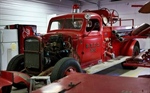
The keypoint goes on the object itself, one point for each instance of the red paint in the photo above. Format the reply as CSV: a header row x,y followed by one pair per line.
x,y
69,71
136,5
75,6
85,83
20,77
6,80
24,30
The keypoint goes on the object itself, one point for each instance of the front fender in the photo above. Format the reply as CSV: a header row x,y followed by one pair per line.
x,y
21,77
6,80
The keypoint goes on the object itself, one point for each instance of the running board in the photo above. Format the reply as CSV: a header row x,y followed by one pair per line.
x,y
105,65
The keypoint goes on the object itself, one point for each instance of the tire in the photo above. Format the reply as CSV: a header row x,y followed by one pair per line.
x,y
62,66
136,51
6,89
17,64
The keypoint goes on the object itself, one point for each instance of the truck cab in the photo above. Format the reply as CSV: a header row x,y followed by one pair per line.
x,y
86,35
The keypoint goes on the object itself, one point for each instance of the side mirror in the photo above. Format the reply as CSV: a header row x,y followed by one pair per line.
x,y
87,16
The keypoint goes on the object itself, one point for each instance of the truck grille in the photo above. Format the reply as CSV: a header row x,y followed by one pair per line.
x,y
32,53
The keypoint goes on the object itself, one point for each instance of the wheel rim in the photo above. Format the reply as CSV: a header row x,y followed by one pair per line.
x,y
70,70
136,51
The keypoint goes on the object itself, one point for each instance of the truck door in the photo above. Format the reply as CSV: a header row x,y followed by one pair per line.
x,y
92,42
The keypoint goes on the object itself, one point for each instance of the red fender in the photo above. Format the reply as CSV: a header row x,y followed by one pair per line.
x,y
21,77
6,80
128,47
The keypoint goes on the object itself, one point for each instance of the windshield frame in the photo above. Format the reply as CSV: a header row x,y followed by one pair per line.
x,y
71,19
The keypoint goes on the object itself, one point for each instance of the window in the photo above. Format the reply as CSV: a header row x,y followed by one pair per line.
x,y
57,24
68,23
93,24
73,24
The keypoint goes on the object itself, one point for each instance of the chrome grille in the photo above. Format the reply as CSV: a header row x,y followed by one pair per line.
x,y
32,53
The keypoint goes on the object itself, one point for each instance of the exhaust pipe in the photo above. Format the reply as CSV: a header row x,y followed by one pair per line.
x,y
121,39
114,32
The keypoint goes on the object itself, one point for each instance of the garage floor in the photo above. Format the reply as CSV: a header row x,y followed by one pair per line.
x,y
112,71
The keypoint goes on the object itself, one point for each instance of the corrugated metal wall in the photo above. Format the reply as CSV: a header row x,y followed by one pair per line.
x,y
31,12
37,12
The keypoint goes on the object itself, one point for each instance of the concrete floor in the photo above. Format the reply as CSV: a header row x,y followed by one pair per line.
x,y
112,71
14,90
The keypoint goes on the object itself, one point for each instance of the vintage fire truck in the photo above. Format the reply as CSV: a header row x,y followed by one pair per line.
x,y
75,41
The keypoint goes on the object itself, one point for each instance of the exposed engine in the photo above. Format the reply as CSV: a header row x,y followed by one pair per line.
x,y
55,49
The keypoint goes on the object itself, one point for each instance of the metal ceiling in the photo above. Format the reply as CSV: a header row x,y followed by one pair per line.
x,y
95,1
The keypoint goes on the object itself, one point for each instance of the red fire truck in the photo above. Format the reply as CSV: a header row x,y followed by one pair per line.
x,y
77,40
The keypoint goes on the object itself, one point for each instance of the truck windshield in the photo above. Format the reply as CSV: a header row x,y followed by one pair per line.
x,y
60,24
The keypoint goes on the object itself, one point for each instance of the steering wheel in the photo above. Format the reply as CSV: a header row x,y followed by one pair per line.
x,y
114,16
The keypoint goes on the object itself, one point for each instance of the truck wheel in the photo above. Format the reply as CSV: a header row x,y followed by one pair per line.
x,y
17,64
6,89
64,67
136,51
